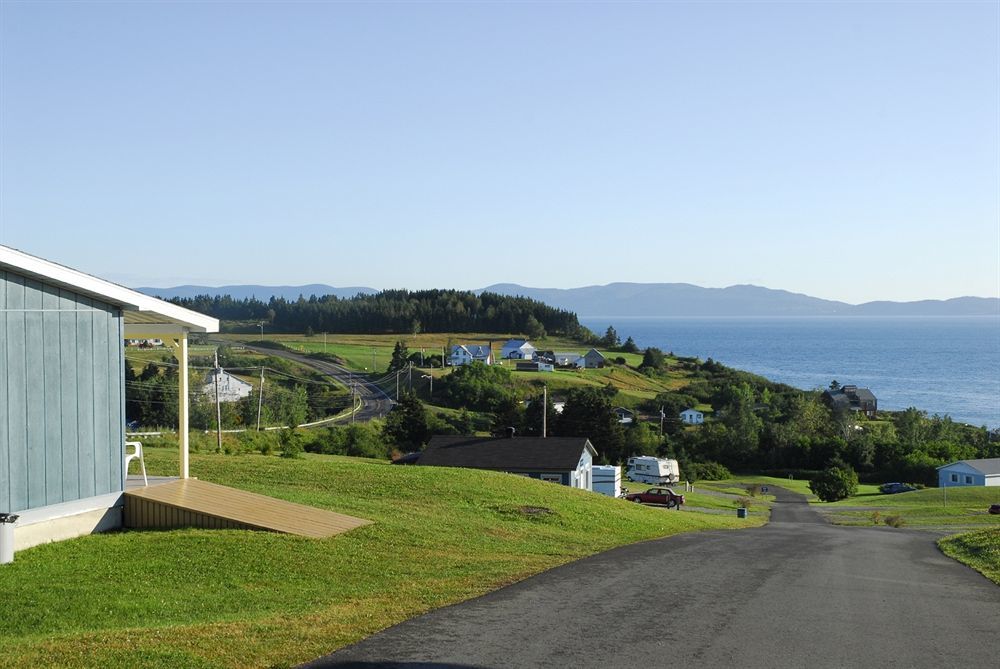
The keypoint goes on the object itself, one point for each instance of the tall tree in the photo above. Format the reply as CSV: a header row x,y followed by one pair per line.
x,y
400,357
406,426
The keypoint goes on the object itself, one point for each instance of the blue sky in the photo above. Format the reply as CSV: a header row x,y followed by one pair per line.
x,y
844,150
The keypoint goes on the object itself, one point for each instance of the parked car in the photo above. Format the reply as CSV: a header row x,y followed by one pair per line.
x,y
893,488
664,496
995,509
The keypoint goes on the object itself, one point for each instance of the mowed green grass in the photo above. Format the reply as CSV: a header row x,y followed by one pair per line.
x,y
980,550
211,598
931,507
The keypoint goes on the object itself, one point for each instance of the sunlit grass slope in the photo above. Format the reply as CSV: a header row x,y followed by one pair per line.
x,y
193,598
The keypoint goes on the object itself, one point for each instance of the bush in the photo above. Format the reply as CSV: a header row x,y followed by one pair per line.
x,y
705,471
895,520
290,444
835,483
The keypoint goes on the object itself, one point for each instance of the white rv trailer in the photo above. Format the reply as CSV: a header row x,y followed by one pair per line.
x,y
647,469
607,479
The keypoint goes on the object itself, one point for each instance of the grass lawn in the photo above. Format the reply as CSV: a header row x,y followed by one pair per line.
x,y
212,598
929,508
980,550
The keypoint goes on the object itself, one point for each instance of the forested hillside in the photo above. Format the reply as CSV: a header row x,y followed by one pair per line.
x,y
396,312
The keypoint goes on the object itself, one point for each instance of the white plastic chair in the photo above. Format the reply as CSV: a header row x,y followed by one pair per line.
x,y
135,455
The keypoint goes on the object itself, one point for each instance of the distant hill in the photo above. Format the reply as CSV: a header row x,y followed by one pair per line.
x,y
263,293
646,299
684,299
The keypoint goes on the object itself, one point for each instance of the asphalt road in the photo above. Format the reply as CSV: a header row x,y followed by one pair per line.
x,y
797,593
374,402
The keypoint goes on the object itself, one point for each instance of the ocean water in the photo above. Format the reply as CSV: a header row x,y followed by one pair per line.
x,y
945,366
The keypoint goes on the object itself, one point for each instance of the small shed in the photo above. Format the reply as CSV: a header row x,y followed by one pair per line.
x,y
564,460
983,472
625,416
62,393
692,417
593,359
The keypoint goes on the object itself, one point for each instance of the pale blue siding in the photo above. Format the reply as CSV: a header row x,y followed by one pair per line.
x,y
61,395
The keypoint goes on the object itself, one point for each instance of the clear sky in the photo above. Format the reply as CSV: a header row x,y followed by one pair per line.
x,y
847,150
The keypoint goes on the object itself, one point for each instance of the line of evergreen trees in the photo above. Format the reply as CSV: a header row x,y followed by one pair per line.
x,y
397,312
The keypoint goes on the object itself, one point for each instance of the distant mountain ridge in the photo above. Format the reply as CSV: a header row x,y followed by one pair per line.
x,y
687,300
263,293
627,300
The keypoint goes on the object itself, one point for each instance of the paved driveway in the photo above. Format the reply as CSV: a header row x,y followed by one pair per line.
x,y
797,593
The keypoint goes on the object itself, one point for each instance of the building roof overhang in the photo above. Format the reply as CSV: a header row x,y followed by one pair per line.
x,y
143,315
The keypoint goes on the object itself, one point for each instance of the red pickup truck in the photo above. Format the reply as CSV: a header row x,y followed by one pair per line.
x,y
664,496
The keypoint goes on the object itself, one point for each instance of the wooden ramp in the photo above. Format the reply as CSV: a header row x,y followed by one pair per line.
x,y
194,503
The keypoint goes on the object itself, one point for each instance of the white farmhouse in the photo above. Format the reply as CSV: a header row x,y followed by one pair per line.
x,y
231,389
517,349
692,417
466,354
985,472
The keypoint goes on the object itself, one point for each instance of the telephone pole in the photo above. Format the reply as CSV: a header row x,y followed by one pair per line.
x,y
218,404
545,410
260,397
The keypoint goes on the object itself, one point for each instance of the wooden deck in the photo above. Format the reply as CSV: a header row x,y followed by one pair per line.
x,y
194,503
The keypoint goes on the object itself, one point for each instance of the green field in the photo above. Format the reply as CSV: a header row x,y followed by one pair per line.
x,y
203,598
944,508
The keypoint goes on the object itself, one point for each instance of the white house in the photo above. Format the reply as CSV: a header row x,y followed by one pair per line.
x,y
466,354
970,472
692,417
517,349
231,388
565,359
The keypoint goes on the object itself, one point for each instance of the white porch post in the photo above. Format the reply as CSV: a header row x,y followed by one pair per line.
x,y
182,404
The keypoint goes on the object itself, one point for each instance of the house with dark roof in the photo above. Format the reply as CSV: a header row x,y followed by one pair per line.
x,y
983,472
565,460
851,398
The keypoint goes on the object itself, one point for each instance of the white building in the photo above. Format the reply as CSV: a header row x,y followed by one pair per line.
x,y
517,349
466,354
231,389
692,417
985,472
566,359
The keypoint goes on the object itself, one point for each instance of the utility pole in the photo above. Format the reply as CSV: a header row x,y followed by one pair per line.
x,y
354,401
545,410
409,376
260,397
373,360
218,404
397,384
324,342
261,326
661,420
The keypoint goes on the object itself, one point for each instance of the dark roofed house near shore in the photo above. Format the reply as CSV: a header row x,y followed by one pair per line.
x,y
565,460
852,398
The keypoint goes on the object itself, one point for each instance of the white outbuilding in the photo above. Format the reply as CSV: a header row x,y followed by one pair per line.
x,y
692,417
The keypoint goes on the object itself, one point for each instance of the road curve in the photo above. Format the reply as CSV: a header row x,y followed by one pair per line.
x,y
796,593
374,402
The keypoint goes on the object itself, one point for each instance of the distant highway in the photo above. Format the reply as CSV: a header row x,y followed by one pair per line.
x,y
374,402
